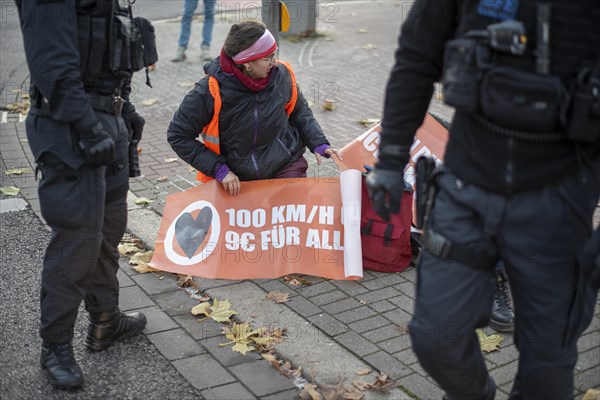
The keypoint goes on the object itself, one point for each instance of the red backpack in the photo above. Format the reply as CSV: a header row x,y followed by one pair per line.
x,y
386,244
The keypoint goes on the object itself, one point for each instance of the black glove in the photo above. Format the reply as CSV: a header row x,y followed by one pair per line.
x,y
385,191
135,125
97,144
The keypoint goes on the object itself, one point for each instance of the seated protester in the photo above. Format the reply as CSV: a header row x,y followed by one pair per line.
x,y
255,122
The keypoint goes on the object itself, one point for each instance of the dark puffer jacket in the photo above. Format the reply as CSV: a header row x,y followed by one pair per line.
x,y
257,137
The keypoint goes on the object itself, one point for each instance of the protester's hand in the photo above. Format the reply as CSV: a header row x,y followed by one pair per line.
x,y
135,125
330,152
97,144
231,183
385,189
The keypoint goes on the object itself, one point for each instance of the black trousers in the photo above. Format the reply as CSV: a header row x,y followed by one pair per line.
x,y
537,235
87,211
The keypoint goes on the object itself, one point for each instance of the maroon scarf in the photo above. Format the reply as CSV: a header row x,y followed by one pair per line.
x,y
229,67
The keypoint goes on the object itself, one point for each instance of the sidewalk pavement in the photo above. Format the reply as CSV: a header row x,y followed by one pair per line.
x,y
335,328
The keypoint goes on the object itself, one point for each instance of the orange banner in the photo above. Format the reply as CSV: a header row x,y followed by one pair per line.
x,y
273,228
276,227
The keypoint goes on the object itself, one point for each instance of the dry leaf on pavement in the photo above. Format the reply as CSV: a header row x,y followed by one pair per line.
x,y
184,281
128,248
142,201
592,394
296,280
489,343
219,311
369,122
162,179
148,102
9,190
329,105
18,171
310,392
364,372
278,297
363,30
171,160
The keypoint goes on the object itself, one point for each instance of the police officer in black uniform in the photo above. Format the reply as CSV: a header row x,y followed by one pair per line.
x,y
520,182
78,132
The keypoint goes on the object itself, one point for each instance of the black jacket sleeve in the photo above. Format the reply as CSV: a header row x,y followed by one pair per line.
x,y
418,64
302,118
194,113
51,48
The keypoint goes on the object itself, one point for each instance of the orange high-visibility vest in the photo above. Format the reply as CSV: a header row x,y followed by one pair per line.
x,y
210,133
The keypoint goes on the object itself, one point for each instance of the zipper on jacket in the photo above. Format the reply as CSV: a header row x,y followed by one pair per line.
x,y
255,137
283,145
509,175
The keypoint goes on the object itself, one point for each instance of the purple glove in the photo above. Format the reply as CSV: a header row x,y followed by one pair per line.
x,y
320,150
221,172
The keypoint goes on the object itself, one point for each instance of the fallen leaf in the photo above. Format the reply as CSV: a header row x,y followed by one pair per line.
x,y
278,297
363,30
403,329
591,394
184,281
362,301
253,315
269,357
187,84
364,372
312,392
20,107
241,335
296,280
148,102
9,190
141,258
488,343
220,311
17,171
162,179
369,46
127,248
369,122
362,385
171,160
142,201
144,269
329,105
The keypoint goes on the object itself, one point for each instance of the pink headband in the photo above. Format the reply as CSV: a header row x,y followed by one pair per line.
x,y
264,46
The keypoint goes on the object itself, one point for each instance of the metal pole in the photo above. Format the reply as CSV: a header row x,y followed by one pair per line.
x,y
270,16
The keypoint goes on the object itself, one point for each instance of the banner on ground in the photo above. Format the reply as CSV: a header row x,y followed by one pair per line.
x,y
280,226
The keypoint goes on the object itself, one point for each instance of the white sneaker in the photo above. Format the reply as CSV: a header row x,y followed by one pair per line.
x,y
179,55
205,53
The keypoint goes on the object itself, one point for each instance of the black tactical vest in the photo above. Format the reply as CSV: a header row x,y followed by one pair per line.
x,y
103,28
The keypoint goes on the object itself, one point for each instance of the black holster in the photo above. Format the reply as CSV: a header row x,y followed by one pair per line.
x,y
425,188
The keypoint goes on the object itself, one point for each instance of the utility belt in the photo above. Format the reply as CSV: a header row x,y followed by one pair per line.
x,y
479,255
513,102
112,104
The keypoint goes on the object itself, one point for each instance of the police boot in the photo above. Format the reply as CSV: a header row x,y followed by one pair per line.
x,y
502,318
60,366
490,391
112,326
179,55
